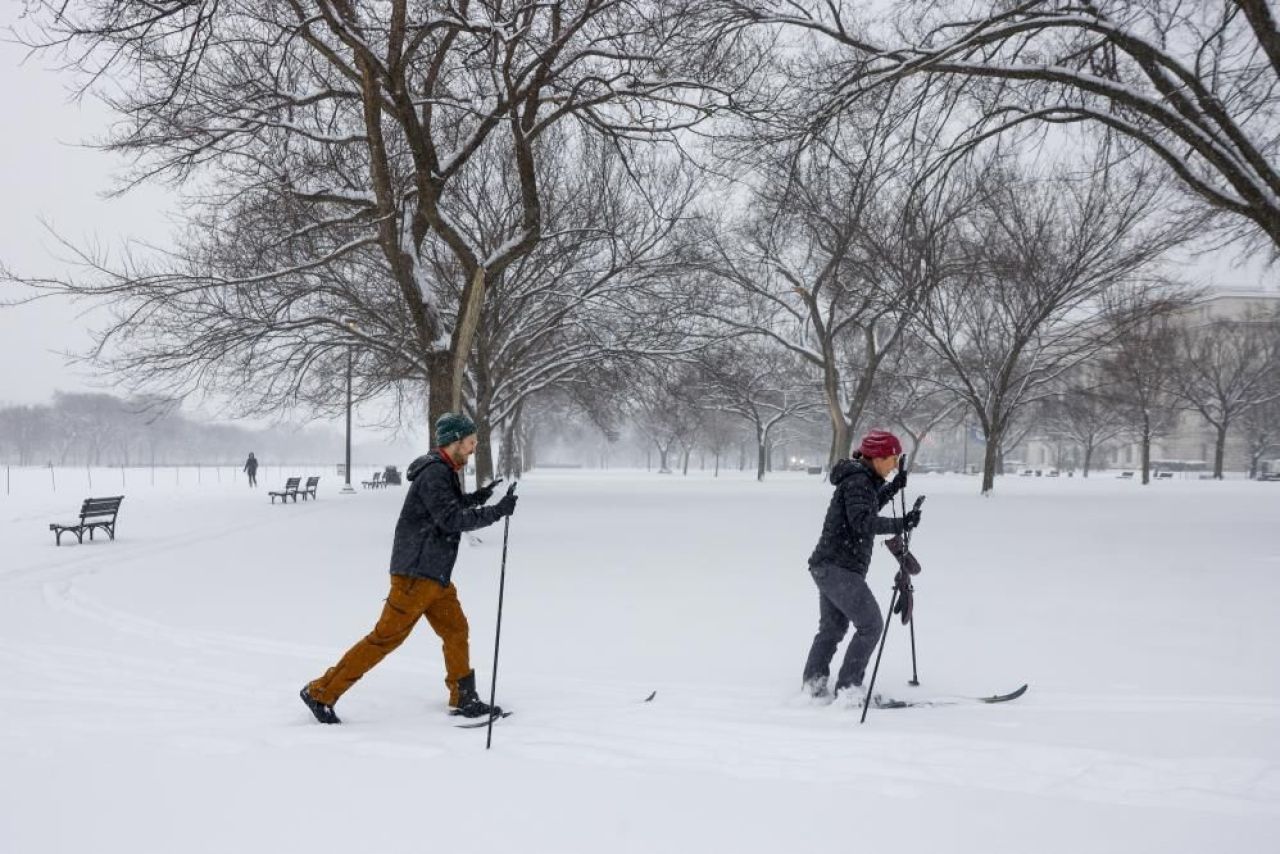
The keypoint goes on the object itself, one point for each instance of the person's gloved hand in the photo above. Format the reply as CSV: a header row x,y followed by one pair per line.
x,y
484,493
911,520
507,505
899,482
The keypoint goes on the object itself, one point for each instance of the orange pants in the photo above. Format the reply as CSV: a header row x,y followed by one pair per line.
x,y
409,599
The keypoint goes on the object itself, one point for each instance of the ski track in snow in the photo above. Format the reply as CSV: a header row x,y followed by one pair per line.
x,y
213,692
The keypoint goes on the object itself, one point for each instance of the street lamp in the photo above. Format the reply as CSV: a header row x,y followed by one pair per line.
x,y
347,490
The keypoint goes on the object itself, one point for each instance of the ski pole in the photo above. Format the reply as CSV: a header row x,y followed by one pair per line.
x,y
497,638
871,684
911,624
884,635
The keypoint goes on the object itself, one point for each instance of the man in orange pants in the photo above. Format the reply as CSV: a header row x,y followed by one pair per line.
x,y
435,513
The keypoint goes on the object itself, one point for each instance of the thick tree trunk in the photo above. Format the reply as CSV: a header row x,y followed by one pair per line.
x,y
1146,454
528,446
439,390
1220,450
840,441
1088,458
464,333
990,459
484,449
509,461
506,456
762,453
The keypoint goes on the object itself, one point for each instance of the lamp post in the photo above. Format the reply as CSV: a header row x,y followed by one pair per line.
x,y
347,490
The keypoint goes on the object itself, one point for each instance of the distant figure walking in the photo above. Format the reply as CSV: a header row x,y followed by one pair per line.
x,y
251,469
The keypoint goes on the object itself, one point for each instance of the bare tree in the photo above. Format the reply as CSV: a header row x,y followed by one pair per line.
x,y
1225,368
365,121
1083,414
908,397
25,430
1138,370
591,291
719,433
664,404
762,385
842,243
1261,427
1194,84
1047,260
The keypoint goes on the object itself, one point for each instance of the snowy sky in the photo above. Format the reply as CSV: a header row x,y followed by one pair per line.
x,y
47,173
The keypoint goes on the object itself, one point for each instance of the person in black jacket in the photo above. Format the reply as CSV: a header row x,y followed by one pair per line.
x,y
435,513
840,561
251,469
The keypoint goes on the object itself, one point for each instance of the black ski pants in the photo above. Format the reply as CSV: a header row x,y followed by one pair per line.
x,y
843,598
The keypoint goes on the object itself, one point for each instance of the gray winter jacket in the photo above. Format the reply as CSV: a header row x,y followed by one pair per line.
x,y
435,513
852,521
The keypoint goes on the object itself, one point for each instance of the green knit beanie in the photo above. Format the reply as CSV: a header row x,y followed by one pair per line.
x,y
451,427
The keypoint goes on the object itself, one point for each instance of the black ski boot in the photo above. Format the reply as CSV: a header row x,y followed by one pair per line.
x,y
324,714
469,703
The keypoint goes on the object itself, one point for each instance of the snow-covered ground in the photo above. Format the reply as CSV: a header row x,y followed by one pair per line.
x,y
148,696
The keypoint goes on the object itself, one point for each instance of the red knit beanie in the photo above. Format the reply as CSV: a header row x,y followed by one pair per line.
x,y
880,443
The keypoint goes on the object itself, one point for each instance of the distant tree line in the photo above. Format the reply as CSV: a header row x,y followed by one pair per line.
x,y
94,429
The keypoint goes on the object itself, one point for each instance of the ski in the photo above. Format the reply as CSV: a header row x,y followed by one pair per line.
x,y
882,702
485,722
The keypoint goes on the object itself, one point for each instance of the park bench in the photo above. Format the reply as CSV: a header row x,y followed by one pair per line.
x,y
309,488
375,483
94,513
1164,475
1125,475
290,491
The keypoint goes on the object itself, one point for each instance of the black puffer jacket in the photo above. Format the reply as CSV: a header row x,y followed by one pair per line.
x,y
435,513
852,523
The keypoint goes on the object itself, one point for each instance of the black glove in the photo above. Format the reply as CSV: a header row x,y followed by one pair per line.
x,y
484,493
507,505
906,560
906,597
910,520
898,483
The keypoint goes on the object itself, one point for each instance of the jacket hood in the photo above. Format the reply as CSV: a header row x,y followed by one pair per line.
x,y
846,468
416,467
